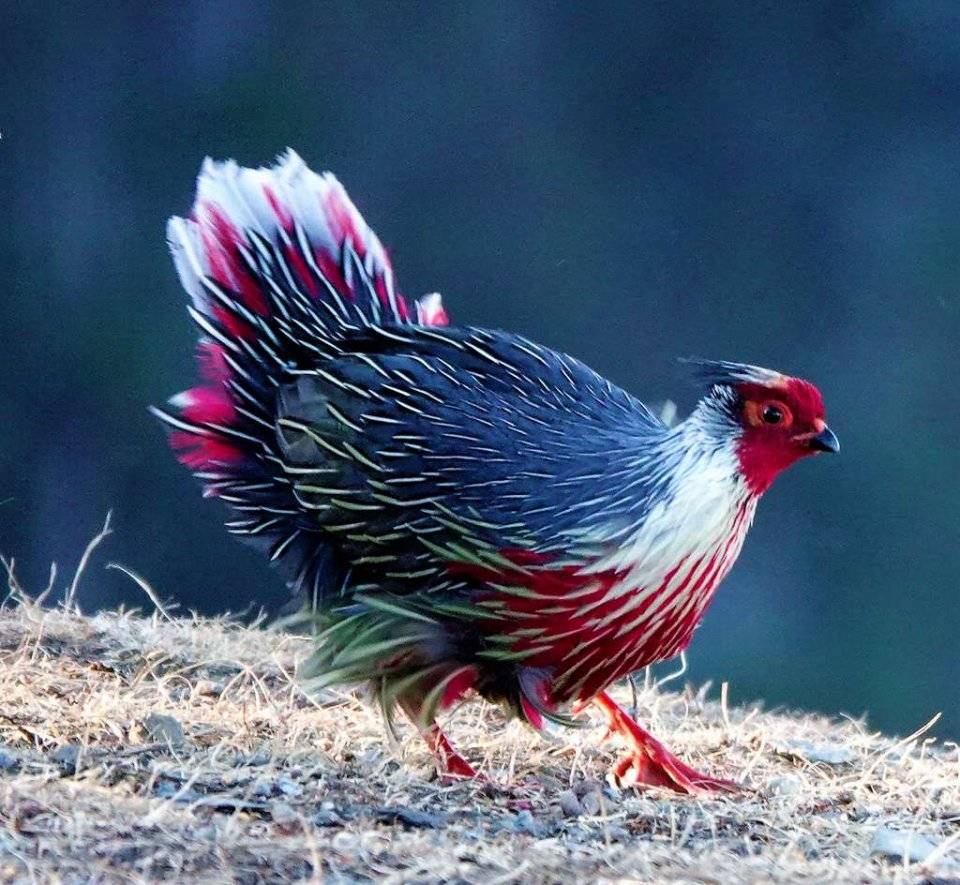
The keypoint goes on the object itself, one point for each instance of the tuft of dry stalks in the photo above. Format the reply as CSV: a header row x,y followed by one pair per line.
x,y
140,748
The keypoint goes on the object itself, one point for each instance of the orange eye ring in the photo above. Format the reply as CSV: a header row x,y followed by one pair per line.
x,y
767,413
775,414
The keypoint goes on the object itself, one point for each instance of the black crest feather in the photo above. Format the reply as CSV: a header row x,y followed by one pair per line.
x,y
727,374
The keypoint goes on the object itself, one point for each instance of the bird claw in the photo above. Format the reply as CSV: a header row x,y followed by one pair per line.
x,y
638,769
452,768
649,763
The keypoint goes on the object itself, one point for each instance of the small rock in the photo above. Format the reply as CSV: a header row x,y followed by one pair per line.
x,y
67,757
785,786
164,729
391,814
808,751
208,688
288,787
8,762
569,804
525,822
809,846
128,854
167,789
345,842
617,834
283,814
328,818
591,803
901,845
588,786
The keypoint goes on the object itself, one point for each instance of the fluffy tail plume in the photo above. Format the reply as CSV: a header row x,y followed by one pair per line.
x,y
279,266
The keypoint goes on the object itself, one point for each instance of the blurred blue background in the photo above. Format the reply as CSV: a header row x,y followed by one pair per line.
x,y
773,183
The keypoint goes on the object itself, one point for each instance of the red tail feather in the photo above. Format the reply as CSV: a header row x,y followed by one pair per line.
x,y
279,265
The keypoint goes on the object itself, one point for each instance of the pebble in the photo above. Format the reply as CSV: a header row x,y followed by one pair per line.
x,y
8,762
283,814
810,847
390,814
591,803
569,804
588,786
66,757
525,822
164,729
288,787
617,834
345,841
168,789
209,688
326,817
831,754
901,845
785,786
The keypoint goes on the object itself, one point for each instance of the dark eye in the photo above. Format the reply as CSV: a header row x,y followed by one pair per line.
x,y
772,414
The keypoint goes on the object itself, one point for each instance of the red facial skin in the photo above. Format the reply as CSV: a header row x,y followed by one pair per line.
x,y
765,449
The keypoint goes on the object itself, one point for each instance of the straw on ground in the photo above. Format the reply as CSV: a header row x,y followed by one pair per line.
x,y
147,747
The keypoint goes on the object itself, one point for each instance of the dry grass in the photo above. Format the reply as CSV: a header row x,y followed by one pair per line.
x,y
249,780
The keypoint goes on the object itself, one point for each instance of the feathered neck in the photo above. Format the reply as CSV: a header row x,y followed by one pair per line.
x,y
712,426
704,449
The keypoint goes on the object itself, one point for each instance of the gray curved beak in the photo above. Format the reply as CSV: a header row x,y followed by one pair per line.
x,y
825,441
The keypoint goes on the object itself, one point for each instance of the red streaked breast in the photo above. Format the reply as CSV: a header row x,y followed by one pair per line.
x,y
590,630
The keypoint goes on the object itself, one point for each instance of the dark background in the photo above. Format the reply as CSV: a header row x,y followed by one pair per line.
x,y
774,183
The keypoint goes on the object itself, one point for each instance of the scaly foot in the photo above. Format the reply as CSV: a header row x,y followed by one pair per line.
x,y
451,766
641,769
650,763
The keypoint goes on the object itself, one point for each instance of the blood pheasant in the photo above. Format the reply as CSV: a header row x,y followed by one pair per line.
x,y
463,509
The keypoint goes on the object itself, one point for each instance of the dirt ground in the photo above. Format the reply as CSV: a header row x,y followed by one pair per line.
x,y
136,748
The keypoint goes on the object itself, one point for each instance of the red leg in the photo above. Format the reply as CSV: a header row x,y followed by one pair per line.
x,y
649,762
451,766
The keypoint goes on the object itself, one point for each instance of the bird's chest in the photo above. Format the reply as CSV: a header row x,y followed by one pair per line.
x,y
640,603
